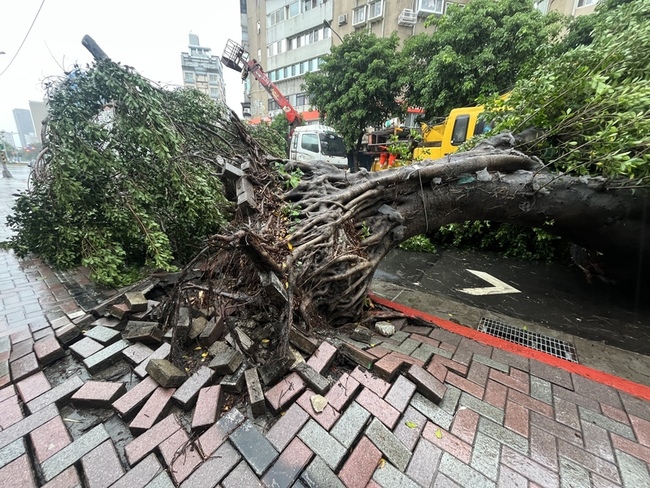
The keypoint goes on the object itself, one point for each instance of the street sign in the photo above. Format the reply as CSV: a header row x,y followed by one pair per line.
x,y
498,287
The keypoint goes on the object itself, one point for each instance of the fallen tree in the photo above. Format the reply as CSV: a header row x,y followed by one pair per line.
x,y
307,239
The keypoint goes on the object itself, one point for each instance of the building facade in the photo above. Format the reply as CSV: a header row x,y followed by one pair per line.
x,y
24,125
39,112
203,71
289,37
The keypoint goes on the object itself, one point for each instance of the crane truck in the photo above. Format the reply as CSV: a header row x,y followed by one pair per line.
x,y
305,143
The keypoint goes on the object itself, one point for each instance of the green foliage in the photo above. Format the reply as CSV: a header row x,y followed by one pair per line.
x,y
419,243
476,50
591,104
508,239
291,179
273,137
127,180
357,84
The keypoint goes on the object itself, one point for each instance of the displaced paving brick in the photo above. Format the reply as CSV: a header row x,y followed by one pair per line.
x,y
101,466
350,424
396,452
216,467
147,442
84,348
180,455
23,367
7,392
219,432
72,453
432,411
141,474
254,447
287,427
165,373
32,386
342,392
43,333
67,334
358,356
197,326
135,397
20,336
326,418
156,406
358,469
160,353
49,438
426,383
285,392
107,356
318,474
288,466
371,381
322,444
59,394
302,342
145,332
378,407
21,349
103,335
234,383
272,371
213,331
388,366
183,322
119,310
400,393
208,407
227,362
186,395
98,394
48,350
242,477
255,392
18,473
137,353
314,380
136,301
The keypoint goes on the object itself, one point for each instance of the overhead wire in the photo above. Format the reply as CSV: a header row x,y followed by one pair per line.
x,y
24,39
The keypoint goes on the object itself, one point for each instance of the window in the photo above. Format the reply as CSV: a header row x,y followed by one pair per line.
x,y
275,17
313,65
310,4
304,67
359,15
375,10
189,77
302,99
431,6
294,9
459,135
273,105
309,142
213,78
259,27
584,3
214,92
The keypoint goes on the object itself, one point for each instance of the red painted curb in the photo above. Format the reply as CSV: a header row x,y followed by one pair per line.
x,y
635,389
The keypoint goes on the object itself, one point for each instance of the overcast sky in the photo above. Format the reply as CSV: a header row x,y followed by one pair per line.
x,y
145,34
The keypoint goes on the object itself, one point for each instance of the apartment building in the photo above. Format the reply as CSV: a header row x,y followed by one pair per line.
x,y
203,71
289,37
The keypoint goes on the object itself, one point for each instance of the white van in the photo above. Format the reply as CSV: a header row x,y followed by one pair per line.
x,y
318,142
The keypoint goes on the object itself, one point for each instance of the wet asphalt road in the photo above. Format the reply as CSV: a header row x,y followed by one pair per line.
x,y
554,295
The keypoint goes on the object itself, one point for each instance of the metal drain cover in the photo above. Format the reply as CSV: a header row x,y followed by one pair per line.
x,y
549,345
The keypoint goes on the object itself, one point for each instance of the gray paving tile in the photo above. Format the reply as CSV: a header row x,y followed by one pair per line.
x,y
606,423
392,448
350,424
256,449
324,445
463,474
319,475
388,476
633,471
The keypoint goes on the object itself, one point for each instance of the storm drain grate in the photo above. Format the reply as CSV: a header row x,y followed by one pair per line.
x,y
549,345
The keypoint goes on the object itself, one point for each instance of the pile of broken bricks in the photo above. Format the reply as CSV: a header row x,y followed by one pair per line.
x,y
122,366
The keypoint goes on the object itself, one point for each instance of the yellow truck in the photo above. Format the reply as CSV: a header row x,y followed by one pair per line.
x,y
439,140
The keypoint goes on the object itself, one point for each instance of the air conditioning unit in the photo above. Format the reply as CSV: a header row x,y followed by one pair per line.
x,y
343,19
